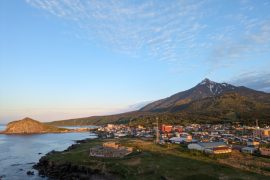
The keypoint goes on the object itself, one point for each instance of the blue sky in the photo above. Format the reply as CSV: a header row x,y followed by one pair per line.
x,y
69,58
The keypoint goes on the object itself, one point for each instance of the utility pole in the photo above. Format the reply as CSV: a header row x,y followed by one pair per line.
x,y
260,132
257,124
157,132
130,121
256,132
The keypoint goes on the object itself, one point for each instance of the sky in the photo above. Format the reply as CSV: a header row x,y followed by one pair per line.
x,y
62,59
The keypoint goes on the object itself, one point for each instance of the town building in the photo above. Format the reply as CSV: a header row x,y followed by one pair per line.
x,y
183,137
110,149
211,147
249,150
253,143
178,129
261,132
166,128
265,151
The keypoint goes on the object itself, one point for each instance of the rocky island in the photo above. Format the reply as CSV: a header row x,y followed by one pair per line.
x,y
31,126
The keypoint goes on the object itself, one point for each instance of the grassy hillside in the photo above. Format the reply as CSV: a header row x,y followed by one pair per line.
x,y
156,162
100,120
229,107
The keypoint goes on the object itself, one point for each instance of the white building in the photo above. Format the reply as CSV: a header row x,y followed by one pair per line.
x,y
211,147
253,143
249,150
183,137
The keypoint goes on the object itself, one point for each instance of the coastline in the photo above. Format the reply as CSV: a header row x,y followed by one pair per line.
x,y
46,132
31,126
68,170
18,153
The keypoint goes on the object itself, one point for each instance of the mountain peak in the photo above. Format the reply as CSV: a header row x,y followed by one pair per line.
x,y
214,88
27,118
206,81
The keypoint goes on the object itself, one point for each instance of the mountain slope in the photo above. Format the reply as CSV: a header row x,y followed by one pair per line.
x,y
207,102
229,106
100,120
206,88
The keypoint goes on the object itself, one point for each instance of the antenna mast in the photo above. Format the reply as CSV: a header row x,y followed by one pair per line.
x,y
157,133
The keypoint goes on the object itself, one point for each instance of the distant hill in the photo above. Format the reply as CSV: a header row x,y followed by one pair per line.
x,y
30,126
100,120
207,102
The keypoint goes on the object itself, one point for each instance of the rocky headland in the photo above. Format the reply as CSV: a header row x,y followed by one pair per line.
x,y
61,169
31,126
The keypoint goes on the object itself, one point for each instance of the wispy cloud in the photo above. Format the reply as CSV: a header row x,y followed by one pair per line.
x,y
255,80
153,26
167,30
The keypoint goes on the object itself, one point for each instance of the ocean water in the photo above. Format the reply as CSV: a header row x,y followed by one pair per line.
x,y
18,153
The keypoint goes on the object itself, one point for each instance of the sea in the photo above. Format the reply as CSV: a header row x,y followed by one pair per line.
x,y
18,153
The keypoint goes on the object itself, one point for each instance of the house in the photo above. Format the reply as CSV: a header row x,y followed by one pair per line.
x,y
183,137
140,127
237,147
211,147
178,129
166,128
120,134
110,126
265,151
249,150
177,140
200,133
253,143
214,133
110,149
261,132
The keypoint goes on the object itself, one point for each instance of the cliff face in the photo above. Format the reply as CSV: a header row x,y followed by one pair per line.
x,y
30,126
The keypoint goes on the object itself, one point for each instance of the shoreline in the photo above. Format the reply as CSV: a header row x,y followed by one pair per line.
x,y
36,133
31,126
68,170
34,147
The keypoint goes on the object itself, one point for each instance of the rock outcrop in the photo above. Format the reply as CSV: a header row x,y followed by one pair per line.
x,y
67,170
30,126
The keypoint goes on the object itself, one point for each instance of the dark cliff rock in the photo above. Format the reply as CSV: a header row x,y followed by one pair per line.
x,y
68,171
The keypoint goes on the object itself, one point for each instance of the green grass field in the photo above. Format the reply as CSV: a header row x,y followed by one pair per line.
x,y
154,162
